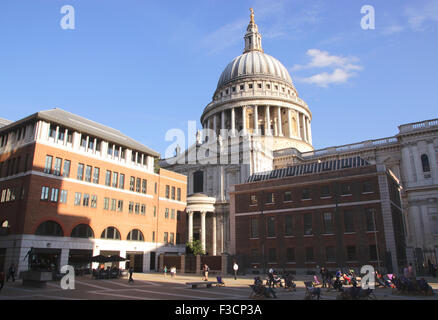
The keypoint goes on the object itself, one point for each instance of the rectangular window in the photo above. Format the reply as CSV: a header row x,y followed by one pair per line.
x,y
131,184
48,165
78,197
325,191
272,255
106,203
178,215
373,252
131,207
83,141
351,253
54,195
166,213
155,188
66,172
328,222
108,178
305,195
96,173
113,204
288,226
143,186
346,189
166,237
155,211
153,236
254,227
290,254
122,181
115,179
178,194
88,173
270,198
348,221
120,205
253,200
137,208
44,193
110,149
63,198
330,254
309,254
370,219
94,201
271,226
138,185
80,171
287,196
173,193
143,209
86,200
167,192
172,214
57,167
308,224
172,238
367,187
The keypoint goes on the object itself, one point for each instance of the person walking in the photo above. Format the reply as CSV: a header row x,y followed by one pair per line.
x,y
131,271
206,269
235,268
11,273
165,271
411,270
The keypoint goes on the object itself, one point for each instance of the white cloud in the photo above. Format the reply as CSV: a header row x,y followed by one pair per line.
x,y
343,68
418,15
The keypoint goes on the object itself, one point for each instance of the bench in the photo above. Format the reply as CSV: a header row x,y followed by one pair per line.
x,y
194,285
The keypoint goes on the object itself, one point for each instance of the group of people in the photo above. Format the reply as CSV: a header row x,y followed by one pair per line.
x,y
172,271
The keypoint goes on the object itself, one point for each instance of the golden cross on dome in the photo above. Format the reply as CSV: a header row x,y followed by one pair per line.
x,y
252,15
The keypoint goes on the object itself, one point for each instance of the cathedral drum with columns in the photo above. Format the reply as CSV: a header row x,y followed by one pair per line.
x,y
256,101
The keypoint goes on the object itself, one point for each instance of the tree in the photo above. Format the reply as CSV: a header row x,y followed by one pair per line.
x,y
194,247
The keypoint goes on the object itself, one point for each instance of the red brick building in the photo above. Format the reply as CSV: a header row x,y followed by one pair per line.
x,y
337,213
72,188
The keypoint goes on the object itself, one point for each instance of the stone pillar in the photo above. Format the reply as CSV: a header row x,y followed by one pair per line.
x,y
310,131
190,213
256,121
65,136
268,121
214,234
233,121
203,214
182,270
224,264
215,123
280,130
87,143
223,120
306,138
299,126
433,161
417,161
289,122
56,134
207,133
244,120
64,257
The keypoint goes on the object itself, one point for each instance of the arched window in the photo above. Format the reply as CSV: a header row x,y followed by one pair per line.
x,y
425,163
49,228
198,181
82,231
111,233
135,235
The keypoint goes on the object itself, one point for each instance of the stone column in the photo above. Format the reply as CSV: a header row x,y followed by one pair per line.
x,y
233,121
407,168
65,136
433,161
289,122
190,225
87,143
203,229
310,131
223,120
306,138
280,130
417,161
298,126
215,123
244,120
214,234
64,257
56,134
268,121
256,121
207,133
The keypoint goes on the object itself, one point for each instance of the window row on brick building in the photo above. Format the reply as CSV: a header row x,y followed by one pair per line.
x,y
350,223
14,166
328,254
173,193
325,191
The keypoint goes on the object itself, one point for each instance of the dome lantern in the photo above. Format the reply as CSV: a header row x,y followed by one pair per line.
x,y
253,39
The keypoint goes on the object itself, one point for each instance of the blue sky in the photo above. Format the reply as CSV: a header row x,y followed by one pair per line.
x,y
144,67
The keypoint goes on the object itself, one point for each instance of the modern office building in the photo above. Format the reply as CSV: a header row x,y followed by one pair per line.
x,y
72,188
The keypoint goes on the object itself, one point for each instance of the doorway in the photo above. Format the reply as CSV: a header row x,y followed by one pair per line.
x,y
152,261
